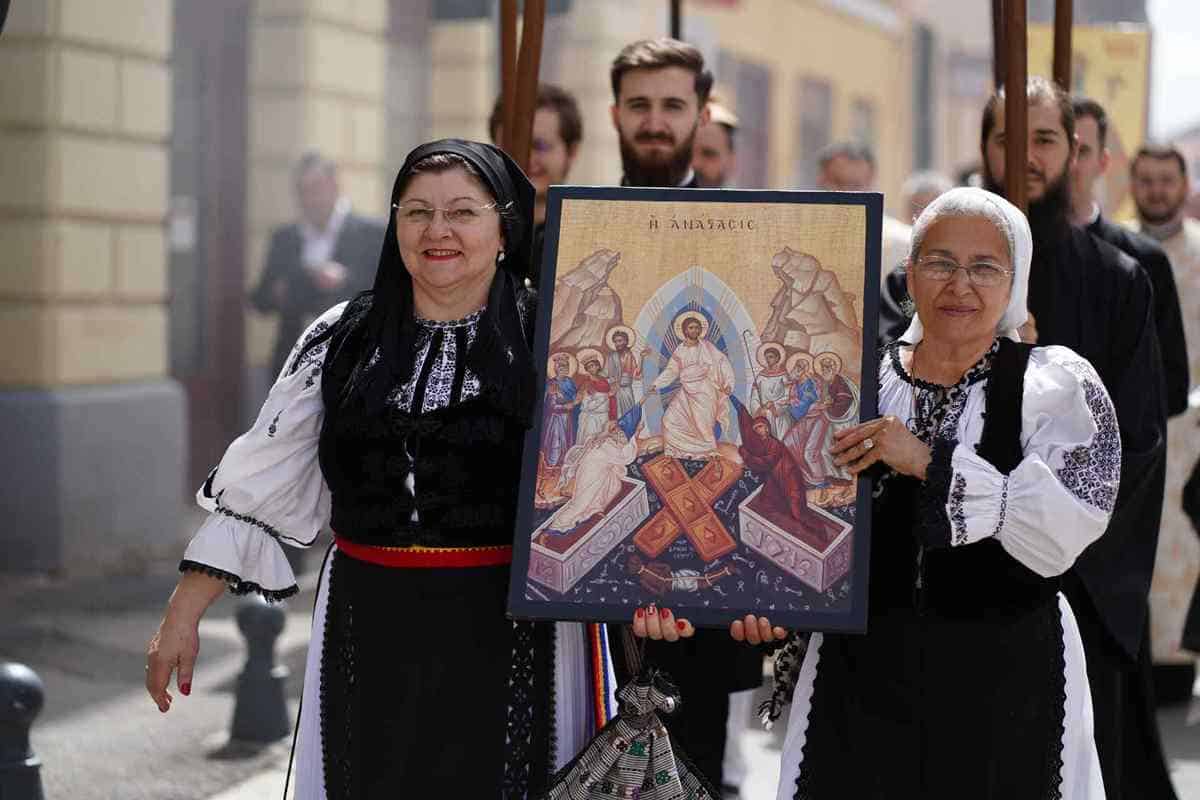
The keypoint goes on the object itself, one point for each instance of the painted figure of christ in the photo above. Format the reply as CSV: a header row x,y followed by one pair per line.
x,y
706,381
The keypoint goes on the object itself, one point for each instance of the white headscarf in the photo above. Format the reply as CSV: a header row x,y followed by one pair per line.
x,y
968,201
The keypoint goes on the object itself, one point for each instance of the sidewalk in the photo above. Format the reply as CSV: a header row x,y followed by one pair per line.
x,y
100,737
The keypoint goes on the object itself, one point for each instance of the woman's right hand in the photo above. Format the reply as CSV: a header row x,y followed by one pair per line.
x,y
177,643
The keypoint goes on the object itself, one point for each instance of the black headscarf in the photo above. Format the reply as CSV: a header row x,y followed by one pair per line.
x,y
499,355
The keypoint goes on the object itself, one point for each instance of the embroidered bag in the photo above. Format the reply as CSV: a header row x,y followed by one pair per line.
x,y
632,756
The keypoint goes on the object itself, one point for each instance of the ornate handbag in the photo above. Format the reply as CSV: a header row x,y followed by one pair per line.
x,y
632,756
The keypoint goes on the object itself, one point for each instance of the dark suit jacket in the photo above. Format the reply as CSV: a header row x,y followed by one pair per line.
x,y
357,249
1167,315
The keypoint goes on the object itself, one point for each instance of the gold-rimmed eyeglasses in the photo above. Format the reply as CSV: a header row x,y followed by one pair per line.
x,y
418,214
980,273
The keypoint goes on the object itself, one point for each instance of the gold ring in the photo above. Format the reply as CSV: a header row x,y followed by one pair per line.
x,y
868,443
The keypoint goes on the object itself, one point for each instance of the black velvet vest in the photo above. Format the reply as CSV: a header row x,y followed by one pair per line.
x,y
465,460
977,581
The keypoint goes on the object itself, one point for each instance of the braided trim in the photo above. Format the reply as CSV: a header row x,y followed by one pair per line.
x,y
933,522
238,586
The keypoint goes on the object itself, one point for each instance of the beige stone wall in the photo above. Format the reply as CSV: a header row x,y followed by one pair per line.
x,y
317,80
85,116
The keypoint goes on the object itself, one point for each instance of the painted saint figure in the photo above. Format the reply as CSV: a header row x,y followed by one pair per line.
x,y
623,366
706,381
558,430
784,498
597,469
769,396
597,405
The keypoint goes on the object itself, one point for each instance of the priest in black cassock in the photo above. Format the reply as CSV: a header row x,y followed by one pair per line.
x,y
1091,130
660,96
1089,296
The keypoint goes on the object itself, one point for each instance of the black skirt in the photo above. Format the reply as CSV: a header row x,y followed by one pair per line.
x,y
427,687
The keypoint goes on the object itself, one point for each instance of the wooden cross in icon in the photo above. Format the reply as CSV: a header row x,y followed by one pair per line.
x,y
687,508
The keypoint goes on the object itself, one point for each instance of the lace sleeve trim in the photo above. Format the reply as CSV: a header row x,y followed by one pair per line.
x,y
236,584
936,494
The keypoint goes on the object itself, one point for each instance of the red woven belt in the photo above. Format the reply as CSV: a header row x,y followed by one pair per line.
x,y
427,556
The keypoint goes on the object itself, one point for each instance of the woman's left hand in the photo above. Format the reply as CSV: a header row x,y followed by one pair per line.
x,y
659,623
885,439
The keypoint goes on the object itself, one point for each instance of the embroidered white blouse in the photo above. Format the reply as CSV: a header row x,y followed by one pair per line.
x,y
1059,498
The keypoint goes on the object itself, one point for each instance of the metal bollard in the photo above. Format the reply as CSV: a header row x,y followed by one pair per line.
x,y
260,711
21,697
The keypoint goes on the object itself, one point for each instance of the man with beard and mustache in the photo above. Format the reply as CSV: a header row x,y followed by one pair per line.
x,y
1089,296
1091,129
1159,179
660,98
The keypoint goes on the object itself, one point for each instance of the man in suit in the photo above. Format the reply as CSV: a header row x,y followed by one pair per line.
x,y
328,255
660,100
1091,129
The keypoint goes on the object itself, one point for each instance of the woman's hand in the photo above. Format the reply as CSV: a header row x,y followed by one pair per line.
x,y
885,439
755,630
659,623
177,643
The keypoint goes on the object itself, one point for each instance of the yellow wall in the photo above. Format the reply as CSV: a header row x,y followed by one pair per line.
x,y
85,119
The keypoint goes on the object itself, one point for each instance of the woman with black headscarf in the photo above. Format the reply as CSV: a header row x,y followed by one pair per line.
x,y
399,419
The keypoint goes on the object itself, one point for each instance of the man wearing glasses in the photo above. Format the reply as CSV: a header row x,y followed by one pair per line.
x,y
557,132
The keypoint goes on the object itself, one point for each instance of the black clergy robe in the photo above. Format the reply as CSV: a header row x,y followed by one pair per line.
x,y
1089,296
1168,317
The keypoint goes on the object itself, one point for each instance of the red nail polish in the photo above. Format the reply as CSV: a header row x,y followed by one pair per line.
x,y
186,689
664,612
680,624
639,614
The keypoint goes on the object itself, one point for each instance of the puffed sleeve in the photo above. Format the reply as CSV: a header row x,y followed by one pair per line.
x,y
1059,498
268,489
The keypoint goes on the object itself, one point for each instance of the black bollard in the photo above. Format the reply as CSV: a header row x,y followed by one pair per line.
x,y
21,698
260,711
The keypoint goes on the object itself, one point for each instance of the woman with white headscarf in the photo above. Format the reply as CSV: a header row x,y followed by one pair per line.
x,y
998,464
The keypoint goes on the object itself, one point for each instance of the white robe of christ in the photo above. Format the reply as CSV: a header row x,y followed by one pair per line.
x,y
705,382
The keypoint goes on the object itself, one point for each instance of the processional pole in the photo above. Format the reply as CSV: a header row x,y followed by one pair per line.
x,y
1063,22
676,19
528,63
508,72
1010,69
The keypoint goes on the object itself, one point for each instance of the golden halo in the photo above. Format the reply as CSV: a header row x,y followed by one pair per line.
x,y
796,358
625,329
677,325
572,364
587,354
830,354
760,355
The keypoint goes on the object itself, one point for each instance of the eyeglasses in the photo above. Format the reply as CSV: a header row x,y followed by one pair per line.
x,y
980,273
460,215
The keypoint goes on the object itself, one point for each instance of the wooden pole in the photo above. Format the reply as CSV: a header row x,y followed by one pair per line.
x,y
999,45
676,19
1063,20
528,64
508,72
1016,104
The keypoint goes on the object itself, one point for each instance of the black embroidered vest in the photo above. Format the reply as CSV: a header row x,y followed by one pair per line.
x,y
978,580
465,461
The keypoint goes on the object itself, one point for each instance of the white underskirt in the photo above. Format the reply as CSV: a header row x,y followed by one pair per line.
x,y
1081,775
572,709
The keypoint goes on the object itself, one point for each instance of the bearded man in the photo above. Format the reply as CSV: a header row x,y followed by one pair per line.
x,y
660,98
1089,296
